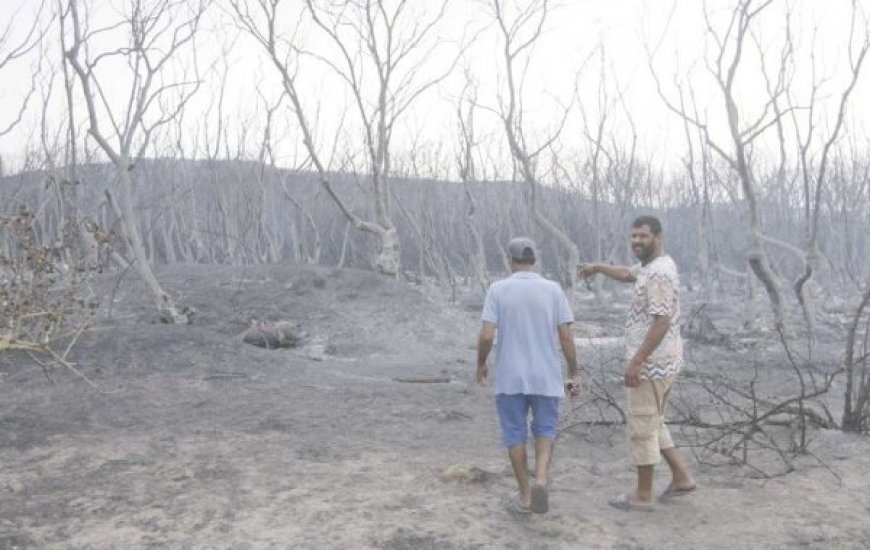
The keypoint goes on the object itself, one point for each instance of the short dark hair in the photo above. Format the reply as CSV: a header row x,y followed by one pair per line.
x,y
651,221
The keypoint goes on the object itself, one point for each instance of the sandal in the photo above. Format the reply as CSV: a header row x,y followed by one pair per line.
x,y
516,506
672,491
540,499
627,502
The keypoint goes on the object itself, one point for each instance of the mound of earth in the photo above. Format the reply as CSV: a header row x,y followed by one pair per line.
x,y
351,312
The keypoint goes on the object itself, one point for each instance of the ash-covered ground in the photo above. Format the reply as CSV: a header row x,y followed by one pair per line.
x,y
203,441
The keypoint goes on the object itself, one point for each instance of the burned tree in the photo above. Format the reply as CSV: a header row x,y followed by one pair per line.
x,y
743,130
123,124
519,34
375,48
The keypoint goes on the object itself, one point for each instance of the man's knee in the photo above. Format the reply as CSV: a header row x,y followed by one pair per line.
x,y
545,417
664,437
643,439
513,436
512,411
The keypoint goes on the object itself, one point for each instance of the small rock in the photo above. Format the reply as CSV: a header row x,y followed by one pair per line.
x,y
272,335
464,473
183,475
317,352
183,316
455,415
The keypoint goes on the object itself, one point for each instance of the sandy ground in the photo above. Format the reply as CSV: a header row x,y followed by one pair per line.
x,y
206,442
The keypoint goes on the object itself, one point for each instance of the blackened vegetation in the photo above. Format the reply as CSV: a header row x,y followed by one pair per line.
x,y
751,398
46,300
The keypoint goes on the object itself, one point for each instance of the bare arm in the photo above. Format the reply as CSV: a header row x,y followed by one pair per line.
x,y
566,340
620,273
654,336
484,346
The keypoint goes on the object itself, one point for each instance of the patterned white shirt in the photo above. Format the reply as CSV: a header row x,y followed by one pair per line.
x,y
656,292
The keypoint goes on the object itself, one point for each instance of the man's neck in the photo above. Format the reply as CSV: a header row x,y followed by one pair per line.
x,y
522,268
654,257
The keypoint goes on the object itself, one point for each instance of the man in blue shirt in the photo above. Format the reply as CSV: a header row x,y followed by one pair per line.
x,y
530,314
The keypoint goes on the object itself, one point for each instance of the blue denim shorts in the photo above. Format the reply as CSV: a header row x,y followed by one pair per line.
x,y
513,415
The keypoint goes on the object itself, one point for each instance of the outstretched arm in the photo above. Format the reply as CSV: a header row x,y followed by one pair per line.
x,y
620,273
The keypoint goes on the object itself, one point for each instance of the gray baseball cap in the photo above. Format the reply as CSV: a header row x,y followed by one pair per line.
x,y
522,249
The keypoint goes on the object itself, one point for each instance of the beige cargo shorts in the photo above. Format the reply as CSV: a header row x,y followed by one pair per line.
x,y
646,429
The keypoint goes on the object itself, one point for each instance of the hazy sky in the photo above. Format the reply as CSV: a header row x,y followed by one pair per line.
x,y
608,39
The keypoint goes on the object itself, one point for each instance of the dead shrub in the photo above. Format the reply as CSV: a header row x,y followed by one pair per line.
x,y
46,298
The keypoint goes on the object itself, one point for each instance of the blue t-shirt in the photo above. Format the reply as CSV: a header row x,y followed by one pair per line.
x,y
527,310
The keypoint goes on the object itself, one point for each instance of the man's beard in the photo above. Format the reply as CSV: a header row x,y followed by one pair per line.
x,y
644,253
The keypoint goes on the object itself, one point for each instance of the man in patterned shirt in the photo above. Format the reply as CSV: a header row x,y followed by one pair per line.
x,y
654,352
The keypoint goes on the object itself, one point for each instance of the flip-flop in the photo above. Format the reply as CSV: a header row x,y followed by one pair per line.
x,y
516,506
627,502
672,491
540,499
548,484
